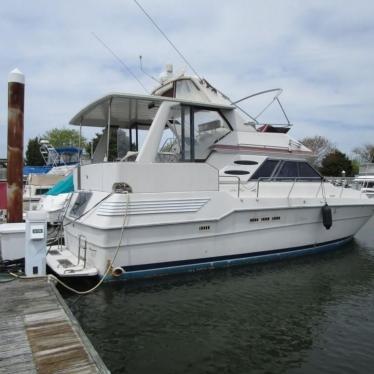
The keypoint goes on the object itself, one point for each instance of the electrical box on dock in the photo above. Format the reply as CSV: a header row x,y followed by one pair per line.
x,y
12,241
36,243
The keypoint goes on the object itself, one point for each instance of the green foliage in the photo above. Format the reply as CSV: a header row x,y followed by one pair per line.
x,y
112,144
334,163
64,138
33,155
355,167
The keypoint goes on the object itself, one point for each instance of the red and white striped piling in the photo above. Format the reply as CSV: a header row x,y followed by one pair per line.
x,y
16,99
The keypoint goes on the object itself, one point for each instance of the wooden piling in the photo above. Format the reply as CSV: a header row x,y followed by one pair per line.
x,y
16,98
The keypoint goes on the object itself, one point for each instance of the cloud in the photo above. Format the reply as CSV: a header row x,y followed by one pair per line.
x,y
319,52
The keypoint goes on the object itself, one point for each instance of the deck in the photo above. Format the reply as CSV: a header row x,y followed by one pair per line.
x,y
39,334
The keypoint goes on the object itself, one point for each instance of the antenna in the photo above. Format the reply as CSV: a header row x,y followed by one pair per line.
x,y
182,56
144,72
120,61
165,36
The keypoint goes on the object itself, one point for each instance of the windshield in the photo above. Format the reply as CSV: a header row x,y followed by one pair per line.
x,y
192,131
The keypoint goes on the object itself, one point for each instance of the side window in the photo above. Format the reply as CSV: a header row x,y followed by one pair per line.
x,y
306,171
281,169
209,128
288,170
197,129
266,169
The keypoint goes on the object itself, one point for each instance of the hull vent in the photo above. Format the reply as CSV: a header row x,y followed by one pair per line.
x,y
111,208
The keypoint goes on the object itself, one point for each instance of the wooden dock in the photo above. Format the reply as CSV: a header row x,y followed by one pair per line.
x,y
39,334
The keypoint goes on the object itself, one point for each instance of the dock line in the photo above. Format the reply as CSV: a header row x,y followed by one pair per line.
x,y
110,263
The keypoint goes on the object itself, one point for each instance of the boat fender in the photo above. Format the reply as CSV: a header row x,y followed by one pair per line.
x,y
117,271
327,216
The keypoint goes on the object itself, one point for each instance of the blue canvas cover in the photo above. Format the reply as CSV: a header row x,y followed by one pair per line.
x,y
36,169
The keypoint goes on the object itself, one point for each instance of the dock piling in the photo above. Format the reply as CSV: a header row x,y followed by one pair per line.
x,y
16,99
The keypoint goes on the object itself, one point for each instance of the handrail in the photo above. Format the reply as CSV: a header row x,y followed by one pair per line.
x,y
321,186
287,179
230,176
289,193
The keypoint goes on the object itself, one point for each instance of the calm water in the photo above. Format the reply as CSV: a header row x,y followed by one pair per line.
x,y
309,315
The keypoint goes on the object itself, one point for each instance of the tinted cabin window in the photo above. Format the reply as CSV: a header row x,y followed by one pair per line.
x,y
266,169
288,170
297,169
306,171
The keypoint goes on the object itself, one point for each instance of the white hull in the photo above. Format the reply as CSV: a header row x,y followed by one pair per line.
x,y
160,241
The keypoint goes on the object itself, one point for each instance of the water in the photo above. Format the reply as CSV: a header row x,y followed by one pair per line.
x,y
308,315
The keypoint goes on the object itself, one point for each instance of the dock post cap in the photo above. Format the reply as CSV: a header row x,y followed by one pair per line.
x,y
16,76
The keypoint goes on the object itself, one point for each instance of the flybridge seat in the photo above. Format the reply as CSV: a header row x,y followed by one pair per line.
x,y
212,125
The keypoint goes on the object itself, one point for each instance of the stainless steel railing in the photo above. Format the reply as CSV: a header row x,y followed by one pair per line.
x,y
230,176
293,180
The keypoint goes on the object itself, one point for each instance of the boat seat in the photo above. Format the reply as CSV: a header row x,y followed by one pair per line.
x,y
129,156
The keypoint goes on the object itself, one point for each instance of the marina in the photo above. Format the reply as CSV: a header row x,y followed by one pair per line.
x,y
209,207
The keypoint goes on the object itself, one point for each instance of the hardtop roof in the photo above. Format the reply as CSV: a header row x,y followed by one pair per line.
x,y
130,109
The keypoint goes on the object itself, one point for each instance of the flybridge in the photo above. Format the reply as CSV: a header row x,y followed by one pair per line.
x,y
186,119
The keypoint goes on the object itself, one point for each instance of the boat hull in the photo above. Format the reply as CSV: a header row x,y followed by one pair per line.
x,y
162,269
238,238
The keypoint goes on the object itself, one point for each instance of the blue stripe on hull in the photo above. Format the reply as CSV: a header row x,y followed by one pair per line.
x,y
160,269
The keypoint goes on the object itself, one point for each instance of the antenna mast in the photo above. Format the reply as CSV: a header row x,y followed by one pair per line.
x,y
166,37
120,61
144,72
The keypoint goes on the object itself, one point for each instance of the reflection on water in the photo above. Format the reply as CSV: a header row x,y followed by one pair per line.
x,y
308,315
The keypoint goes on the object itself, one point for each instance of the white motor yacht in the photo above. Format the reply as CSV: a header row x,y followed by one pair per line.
x,y
364,181
207,189
36,186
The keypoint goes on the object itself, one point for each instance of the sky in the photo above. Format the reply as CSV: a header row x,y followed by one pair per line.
x,y
321,53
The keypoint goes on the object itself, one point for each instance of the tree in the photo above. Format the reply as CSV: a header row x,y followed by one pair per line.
x,y
119,144
355,167
112,144
64,138
365,153
33,155
334,163
123,143
320,146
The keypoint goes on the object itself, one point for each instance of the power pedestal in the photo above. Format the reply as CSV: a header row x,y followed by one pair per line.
x,y
36,243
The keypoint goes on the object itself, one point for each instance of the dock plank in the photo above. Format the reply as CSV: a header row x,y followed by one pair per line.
x,y
39,334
